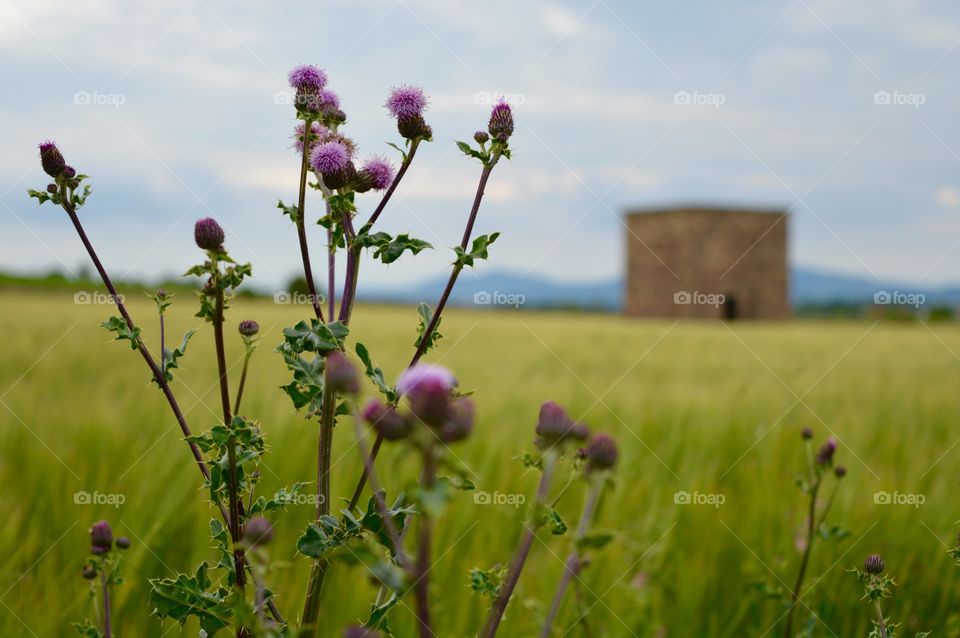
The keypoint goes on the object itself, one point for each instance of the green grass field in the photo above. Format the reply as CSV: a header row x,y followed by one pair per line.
x,y
696,407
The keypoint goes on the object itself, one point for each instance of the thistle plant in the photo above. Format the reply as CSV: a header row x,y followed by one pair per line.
x,y
820,468
876,587
102,570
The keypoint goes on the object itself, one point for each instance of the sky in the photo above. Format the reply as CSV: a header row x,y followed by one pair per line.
x,y
843,112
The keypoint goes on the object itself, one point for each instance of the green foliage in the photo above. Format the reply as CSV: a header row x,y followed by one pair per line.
x,y
244,437
375,374
86,629
121,328
332,539
426,314
185,596
291,210
389,249
478,250
487,582
306,388
171,357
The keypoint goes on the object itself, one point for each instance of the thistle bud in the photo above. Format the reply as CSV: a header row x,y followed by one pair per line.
x,y
554,426
873,564
123,542
807,434
460,423
89,572
208,234
427,388
101,537
69,172
52,189
248,327
341,374
825,454
51,159
414,127
840,471
385,420
481,137
501,121
258,532
601,453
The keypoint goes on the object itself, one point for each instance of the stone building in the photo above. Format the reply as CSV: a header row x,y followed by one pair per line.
x,y
707,263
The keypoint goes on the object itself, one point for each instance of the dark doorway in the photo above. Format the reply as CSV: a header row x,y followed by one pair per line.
x,y
729,308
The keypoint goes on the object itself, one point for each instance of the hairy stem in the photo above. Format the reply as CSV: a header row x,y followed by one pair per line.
x,y
805,560
422,570
301,228
107,623
881,621
435,317
243,381
331,272
520,557
575,560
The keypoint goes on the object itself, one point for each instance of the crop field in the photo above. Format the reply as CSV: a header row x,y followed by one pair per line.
x,y
706,508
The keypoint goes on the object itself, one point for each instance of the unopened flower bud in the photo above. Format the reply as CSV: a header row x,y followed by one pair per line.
x,y
52,189
414,127
51,159
873,564
554,426
208,234
825,454
258,532
427,388
601,453
248,327
807,434
385,419
123,542
101,536
69,172
341,376
481,137
501,121
840,471
89,572
460,423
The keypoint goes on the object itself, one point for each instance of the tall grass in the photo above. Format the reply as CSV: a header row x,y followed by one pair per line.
x,y
695,406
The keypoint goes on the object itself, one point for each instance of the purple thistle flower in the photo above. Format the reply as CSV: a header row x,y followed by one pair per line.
x,y
406,101
329,158
51,159
329,100
424,375
385,419
481,137
427,387
460,422
341,374
601,453
258,532
379,171
501,121
825,454
101,537
307,77
208,234
873,564
248,327
317,133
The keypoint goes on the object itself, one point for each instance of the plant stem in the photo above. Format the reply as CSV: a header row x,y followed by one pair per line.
x,y
881,622
239,564
407,160
574,561
805,560
163,362
301,228
107,629
243,381
523,551
435,317
331,272
425,528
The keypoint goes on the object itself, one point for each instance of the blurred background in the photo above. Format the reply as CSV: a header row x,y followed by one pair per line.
x,y
832,126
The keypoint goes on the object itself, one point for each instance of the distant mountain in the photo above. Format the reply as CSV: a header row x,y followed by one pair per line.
x,y
501,288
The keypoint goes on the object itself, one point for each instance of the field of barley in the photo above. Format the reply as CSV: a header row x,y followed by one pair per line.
x,y
708,409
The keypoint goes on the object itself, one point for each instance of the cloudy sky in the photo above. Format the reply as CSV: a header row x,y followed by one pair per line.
x,y
845,112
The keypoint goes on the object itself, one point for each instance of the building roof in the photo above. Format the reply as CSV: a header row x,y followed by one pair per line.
x,y
707,209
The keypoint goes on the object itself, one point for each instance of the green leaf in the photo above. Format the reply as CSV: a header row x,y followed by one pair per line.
x,y
557,525
171,357
478,250
314,337
487,582
86,629
187,596
426,314
375,374
469,151
292,211
389,249
122,329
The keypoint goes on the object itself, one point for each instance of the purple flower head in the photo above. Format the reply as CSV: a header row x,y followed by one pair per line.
x,y
329,158
406,101
248,327
460,422
208,234
341,374
601,453
501,121
385,419
378,170
51,159
329,100
873,564
317,133
825,454
307,77
69,172
258,532
428,387
101,537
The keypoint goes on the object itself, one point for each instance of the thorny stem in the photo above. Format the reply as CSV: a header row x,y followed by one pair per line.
x,y
331,272
520,558
881,622
435,318
107,629
805,560
425,528
301,228
243,381
574,561
154,369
